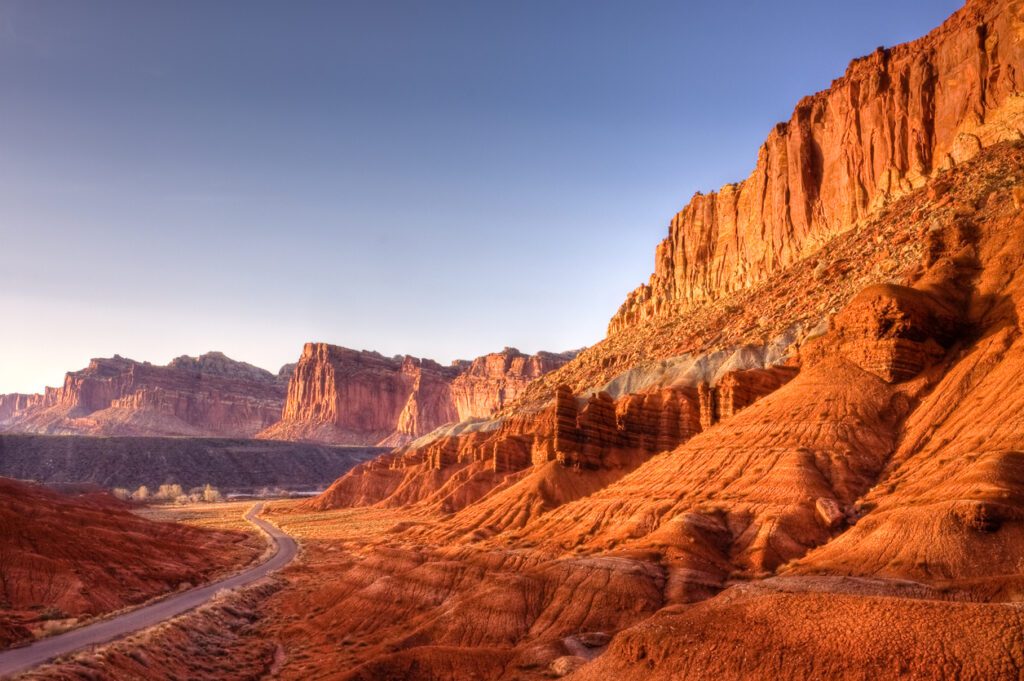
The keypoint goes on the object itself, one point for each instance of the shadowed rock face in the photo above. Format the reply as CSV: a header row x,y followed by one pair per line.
x,y
242,465
892,121
210,395
346,396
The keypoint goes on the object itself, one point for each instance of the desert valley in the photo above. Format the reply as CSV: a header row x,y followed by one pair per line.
x,y
794,455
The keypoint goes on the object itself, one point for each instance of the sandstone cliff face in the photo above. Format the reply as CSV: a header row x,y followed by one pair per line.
x,y
12,404
897,117
492,381
209,395
597,433
346,396
865,519
350,397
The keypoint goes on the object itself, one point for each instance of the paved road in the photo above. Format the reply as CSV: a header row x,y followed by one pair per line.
x,y
20,659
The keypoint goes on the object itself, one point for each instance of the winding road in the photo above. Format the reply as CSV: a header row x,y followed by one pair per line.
x,y
21,659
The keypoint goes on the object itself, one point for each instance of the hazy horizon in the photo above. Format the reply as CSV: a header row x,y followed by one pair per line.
x,y
435,180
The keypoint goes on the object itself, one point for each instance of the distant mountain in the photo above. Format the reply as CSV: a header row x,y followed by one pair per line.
x,y
209,395
232,465
348,396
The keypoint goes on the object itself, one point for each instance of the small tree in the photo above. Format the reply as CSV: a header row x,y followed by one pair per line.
x,y
121,493
211,494
141,494
169,492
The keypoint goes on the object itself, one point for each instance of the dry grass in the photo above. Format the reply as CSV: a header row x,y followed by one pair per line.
x,y
222,516
345,525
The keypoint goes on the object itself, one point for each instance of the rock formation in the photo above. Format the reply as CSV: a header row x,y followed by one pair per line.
x,y
896,118
210,395
346,396
492,381
454,468
863,518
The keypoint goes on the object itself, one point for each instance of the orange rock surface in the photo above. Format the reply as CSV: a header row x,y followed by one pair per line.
x,y
895,118
861,520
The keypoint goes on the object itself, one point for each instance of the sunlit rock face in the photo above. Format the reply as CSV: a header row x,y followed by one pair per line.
x,y
347,396
896,118
209,395
492,381
798,455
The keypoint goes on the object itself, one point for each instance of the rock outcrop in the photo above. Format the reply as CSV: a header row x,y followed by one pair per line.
x,y
863,519
492,381
454,468
896,118
209,395
345,396
867,514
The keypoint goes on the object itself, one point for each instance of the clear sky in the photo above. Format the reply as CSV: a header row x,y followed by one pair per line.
x,y
426,177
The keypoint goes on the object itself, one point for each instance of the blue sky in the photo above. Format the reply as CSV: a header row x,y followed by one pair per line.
x,y
434,178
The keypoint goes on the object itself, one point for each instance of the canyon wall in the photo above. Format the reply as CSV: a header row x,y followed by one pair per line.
x,y
209,395
492,381
347,396
896,118
455,468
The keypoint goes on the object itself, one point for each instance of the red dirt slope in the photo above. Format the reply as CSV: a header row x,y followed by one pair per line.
x,y
63,558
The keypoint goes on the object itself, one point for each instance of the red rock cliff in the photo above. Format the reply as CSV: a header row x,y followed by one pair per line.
x,y
209,395
492,381
897,117
346,396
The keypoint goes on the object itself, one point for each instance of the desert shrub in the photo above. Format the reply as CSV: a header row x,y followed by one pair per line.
x,y
52,614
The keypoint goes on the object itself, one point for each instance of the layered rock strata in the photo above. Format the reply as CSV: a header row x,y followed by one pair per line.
x,y
68,557
591,433
346,396
209,395
492,381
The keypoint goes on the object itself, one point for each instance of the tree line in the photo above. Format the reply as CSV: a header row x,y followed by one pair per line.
x,y
171,493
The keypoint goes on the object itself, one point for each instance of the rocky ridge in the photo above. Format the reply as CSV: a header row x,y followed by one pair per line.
x,y
206,395
895,119
742,483
345,396
804,534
